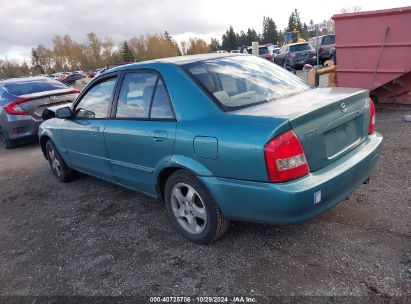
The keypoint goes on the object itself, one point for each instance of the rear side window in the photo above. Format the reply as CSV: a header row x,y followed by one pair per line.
x,y
328,40
35,85
161,108
263,51
300,47
143,95
135,95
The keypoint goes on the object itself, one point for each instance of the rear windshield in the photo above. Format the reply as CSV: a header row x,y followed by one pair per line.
x,y
243,81
329,40
300,47
263,51
35,85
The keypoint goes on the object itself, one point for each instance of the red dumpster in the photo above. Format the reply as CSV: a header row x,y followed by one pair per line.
x,y
374,52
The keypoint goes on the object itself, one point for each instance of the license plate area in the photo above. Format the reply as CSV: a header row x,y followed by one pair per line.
x,y
342,138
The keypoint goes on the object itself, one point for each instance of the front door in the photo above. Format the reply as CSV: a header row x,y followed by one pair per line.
x,y
83,134
141,136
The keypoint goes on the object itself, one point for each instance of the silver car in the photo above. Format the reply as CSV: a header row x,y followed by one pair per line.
x,y
22,102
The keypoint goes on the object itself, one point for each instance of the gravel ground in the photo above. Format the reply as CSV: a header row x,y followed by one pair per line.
x,y
89,237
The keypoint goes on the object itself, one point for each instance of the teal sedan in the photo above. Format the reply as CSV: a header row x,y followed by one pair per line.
x,y
217,137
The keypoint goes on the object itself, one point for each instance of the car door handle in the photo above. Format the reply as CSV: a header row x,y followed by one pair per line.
x,y
95,130
159,135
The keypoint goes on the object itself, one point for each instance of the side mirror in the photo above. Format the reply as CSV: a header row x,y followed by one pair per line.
x,y
64,112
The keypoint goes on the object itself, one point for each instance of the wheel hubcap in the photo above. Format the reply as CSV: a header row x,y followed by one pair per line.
x,y
188,208
55,163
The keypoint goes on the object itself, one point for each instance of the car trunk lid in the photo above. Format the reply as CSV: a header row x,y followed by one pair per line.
x,y
329,122
38,102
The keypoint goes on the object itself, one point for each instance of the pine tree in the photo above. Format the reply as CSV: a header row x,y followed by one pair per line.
x,y
298,24
304,32
168,37
270,33
127,53
35,61
291,23
214,45
230,40
242,39
252,36
34,57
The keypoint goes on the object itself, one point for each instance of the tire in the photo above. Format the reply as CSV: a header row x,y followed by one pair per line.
x,y
60,170
5,142
198,219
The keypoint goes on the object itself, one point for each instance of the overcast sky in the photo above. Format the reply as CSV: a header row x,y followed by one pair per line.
x,y
26,23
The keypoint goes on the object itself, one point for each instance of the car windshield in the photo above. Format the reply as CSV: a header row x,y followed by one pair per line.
x,y
243,81
30,86
300,47
263,51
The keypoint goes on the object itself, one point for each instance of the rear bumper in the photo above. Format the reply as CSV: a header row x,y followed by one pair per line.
x,y
298,63
293,202
19,127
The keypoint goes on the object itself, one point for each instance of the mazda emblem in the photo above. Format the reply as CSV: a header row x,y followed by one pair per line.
x,y
53,98
343,107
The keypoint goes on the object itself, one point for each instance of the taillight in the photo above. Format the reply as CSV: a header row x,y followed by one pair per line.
x,y
285,158
321,50
15,108
371,127
75,91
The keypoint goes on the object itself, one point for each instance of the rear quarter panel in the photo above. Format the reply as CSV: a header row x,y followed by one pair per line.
x,y
240,144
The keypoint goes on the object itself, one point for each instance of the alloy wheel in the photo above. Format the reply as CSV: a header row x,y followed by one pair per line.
x,y
54,161
188,208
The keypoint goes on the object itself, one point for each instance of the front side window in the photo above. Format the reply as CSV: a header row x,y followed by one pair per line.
x,y
96,102
244,81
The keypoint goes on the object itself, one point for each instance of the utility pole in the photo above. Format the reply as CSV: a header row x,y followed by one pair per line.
x,y
317,45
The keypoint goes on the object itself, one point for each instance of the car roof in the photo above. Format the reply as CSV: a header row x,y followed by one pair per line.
x,y
297,43
177,60
24,79
321,36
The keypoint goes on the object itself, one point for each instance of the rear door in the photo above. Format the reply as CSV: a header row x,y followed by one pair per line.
x,y
140,137
83,134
